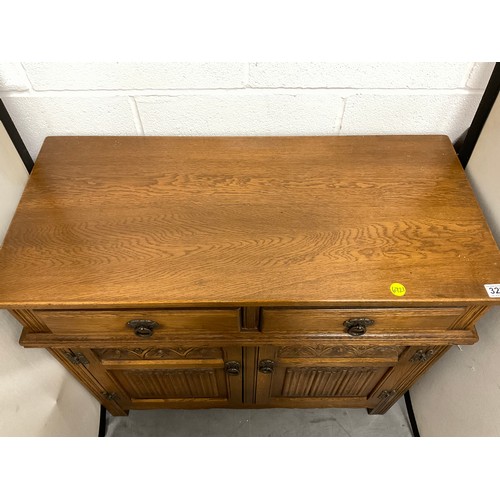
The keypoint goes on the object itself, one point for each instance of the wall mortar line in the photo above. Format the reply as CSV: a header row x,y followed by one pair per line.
x,y
137,116
467,80
246,83
340,92
342,113
31,90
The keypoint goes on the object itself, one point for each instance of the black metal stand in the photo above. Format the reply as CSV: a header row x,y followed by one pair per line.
x,y
15,137
489,97
411,415
102,423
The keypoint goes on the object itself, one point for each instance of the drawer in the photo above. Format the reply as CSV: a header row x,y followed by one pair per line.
x,y
115,323
276,320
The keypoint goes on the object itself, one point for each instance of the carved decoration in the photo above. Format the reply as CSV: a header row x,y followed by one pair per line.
x,y
337,351
160,383
160,353
422,355
387,394
329,382
110,396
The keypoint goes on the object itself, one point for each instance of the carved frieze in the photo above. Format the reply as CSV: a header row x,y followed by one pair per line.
x,y
160,353
345,351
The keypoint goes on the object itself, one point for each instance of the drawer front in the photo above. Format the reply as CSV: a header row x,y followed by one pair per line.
x,y
384,320
168,322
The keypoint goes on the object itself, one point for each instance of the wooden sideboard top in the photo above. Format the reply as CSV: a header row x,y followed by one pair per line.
x,y
201,221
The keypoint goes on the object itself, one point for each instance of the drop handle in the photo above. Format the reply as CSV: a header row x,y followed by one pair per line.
x,y
266,366
357,326
232,367
143,328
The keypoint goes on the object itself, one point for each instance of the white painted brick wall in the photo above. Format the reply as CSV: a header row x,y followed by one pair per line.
x,y
246,113
130,76
239,98
13,77
37,117
479,76
360,76
409,114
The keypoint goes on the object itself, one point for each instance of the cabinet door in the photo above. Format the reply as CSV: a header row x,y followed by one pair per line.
x,y
166,377
322,376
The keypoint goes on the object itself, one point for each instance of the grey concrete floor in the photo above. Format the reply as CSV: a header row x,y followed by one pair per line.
x,y
328,422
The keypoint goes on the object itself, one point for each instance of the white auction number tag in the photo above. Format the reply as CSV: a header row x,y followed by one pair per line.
x,y
493,290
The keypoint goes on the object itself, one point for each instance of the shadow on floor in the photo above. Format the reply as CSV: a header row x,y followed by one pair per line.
x,y
217,422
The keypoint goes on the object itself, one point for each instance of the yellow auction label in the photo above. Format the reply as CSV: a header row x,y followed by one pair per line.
x,y
397,289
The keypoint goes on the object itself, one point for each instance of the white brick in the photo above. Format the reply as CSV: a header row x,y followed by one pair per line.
x,y
240,114
480,75
138,76
359,75
409,114
13,77
39,117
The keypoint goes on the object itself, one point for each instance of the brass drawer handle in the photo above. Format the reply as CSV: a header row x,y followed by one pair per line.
x,y
143,328
232,367
266,366
357,326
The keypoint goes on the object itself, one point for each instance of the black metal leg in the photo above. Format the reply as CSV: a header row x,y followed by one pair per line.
x,y
102,422
411,415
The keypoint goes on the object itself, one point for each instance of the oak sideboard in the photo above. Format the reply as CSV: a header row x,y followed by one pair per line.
x,y
199,272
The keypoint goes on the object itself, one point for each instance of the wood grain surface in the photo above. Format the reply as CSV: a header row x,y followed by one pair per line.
x,y
190,321
249,221
384,320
